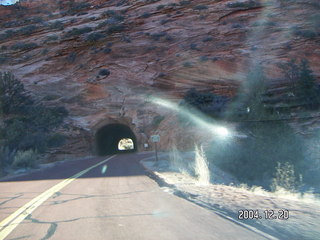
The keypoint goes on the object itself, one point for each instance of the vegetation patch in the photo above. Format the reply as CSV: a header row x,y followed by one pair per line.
x,y
247,4
95,37
104,72
77,31
28,126
24,46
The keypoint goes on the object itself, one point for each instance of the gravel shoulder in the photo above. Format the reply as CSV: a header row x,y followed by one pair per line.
x,y
227,200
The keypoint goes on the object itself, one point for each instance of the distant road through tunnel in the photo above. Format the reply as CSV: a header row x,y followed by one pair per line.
x,y
108,137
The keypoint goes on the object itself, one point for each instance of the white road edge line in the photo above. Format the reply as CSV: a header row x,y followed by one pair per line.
x,y
208,207
12,221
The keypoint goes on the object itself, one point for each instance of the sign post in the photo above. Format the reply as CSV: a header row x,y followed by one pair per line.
x,y
155,139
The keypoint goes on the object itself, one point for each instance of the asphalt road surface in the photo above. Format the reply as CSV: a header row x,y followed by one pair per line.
x,y
113,200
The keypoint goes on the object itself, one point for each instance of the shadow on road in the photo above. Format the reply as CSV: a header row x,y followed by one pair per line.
x,y
119,166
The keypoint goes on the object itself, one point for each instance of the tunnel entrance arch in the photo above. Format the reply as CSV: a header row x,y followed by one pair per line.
x,y
107,139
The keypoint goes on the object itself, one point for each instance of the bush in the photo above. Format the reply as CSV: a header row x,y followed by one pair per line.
x,y
12,94
94,37
27,126
157,36
157,120
207,39
107,50
253,160
51,38
309,34
285,178
23,46
24,159
36,141
77,31
6,157
159,7
27,30
115,28
184,2
146,15
58,25
209,103
76,7
200,7
3,59
56,140
8,34
248,4
104,72
303,83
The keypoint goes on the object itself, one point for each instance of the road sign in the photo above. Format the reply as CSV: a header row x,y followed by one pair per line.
x,y
155,138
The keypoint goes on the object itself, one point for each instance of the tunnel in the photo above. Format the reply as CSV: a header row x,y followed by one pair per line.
x,y
108,137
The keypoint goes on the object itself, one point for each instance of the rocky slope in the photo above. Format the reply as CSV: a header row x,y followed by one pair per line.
x,y
102,59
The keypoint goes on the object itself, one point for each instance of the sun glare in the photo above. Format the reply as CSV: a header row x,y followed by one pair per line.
x,y
215,128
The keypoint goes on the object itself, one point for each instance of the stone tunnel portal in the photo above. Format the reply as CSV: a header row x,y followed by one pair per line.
x,y
108,137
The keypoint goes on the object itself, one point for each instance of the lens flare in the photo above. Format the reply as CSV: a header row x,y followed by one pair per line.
x,y
195,116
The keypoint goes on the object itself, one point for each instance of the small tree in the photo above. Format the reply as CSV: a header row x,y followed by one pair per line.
x,y
303,83
285,177
248,104
307,87
12,94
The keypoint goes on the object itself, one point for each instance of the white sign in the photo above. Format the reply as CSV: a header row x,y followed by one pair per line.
x,y
155,138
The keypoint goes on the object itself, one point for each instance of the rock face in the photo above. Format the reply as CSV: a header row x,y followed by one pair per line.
x,y
103,59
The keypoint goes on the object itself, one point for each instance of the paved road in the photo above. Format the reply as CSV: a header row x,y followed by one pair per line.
x,y
115,200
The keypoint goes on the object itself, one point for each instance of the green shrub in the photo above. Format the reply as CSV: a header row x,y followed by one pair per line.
x,y
71,58
27,125
23,46
51,38
248,4
207,39
56,140
3,59
115,28
146,15
104,72
25,159
208,103
285,178
200,7
12,94
158,36
109,13
157,120
27,30
77,31
8,34
187,64
184,2
303,83
6,157
94,37
309,34
58,25
76,7
159,7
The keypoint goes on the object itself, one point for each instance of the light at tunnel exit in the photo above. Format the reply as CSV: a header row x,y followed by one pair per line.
x,y
115,138
125,144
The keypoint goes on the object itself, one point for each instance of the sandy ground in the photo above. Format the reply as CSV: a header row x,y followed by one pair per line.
x,y
304,211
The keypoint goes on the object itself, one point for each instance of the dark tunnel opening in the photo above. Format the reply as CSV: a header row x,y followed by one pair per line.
x,y
108,137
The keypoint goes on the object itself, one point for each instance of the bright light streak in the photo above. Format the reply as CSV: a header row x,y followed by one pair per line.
x,y
8,2
214,128
222,131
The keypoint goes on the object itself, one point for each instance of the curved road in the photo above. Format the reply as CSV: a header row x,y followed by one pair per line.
x,y
113,200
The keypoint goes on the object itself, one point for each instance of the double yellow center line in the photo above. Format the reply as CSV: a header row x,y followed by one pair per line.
x,y
11,222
